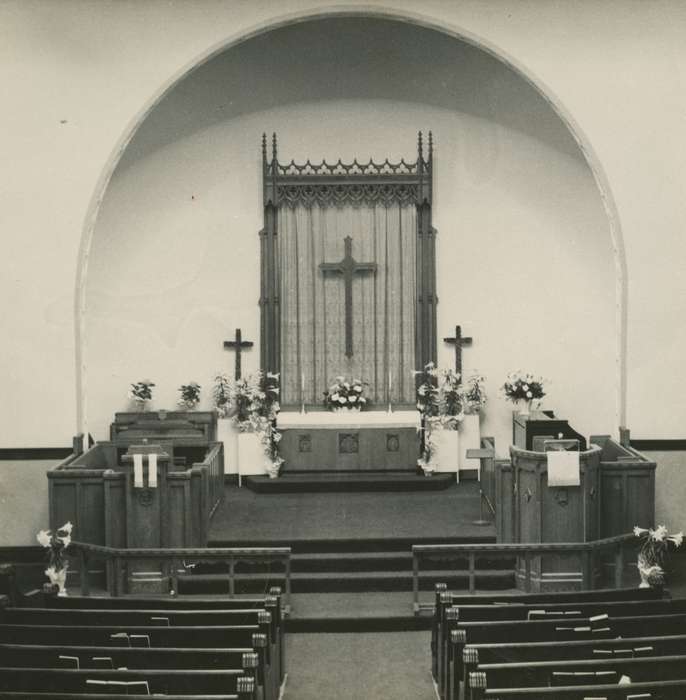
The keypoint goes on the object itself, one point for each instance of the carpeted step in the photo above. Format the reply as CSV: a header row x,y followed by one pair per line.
x,y
495,579
398,623
341,482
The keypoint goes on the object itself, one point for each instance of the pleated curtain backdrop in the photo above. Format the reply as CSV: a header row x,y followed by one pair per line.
x,y
313,301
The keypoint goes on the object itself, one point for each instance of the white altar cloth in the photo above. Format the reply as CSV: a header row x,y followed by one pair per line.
x,y
348,420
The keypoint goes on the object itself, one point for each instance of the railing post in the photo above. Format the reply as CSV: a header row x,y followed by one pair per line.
x,y
116,579
527,571
587,582
619,565
288,580
83,573
415,581
472,574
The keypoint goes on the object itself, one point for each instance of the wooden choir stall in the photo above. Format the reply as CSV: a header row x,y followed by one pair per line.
x,y
154,484
561,490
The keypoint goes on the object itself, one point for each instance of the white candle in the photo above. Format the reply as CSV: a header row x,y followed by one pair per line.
x,y
302,386
390,385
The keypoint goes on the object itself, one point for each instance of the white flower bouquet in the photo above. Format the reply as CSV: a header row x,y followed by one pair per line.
x,y
253,404
57,543
653,552
473,394
221,394
190,395
521,386
345,393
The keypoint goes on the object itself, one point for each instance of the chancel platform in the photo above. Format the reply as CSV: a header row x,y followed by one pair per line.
x,y
349,440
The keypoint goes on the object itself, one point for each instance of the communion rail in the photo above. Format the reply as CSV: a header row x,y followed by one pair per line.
x,y
175,563
588,551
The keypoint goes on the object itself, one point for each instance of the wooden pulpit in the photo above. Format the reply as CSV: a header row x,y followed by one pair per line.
x,y
170,506
146,469
543,513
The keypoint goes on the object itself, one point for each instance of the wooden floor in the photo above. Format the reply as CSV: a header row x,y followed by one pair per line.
x,y
248,517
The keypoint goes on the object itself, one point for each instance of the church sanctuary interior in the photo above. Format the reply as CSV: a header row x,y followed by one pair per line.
x,y
343,350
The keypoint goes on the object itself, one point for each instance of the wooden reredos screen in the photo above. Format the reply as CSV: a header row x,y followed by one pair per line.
x,y
341,184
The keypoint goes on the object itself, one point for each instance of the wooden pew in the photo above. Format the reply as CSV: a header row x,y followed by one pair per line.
x,y
100,696
561,611
446,599
516,611
462,633
167,681
140,618
654,690
86,657
522,652
272,603
580,672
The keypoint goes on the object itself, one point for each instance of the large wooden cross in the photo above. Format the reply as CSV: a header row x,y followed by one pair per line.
x,y
459,343
238,346
348,267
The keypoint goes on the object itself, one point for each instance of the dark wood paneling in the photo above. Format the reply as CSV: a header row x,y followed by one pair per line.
x,y
349,449
20,454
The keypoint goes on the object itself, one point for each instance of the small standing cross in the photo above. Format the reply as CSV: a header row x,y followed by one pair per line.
x,y
459,343
238,345
348,267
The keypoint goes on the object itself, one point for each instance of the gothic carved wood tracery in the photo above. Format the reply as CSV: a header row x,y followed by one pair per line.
x,y
340,184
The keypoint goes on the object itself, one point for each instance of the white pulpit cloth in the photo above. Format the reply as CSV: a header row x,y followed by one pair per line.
x,y
152,470
138,471
563,468
348,420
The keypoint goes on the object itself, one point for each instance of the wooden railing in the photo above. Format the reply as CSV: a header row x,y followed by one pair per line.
x,y
214,485
588,551
175,563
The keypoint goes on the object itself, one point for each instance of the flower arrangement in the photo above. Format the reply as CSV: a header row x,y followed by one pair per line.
x,y
190,395
522,386
473,394
440,401
653,551
253,404
344,393
427,391
57,543
221,394
141,393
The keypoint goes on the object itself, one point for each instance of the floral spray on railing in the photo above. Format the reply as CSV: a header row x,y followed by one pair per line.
x,y
653,553
57,543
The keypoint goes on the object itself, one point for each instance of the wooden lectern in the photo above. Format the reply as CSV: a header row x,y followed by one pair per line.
x,y
541,513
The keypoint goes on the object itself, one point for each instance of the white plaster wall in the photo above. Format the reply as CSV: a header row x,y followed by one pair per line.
x,y
524,256
75,74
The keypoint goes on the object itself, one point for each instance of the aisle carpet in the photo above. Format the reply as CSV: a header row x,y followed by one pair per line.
x,y
385,666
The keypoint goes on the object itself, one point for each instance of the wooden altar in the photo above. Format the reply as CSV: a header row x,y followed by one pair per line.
x,y
349,440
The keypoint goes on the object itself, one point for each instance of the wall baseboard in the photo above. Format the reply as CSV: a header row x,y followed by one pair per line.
x,y
19,454
677,445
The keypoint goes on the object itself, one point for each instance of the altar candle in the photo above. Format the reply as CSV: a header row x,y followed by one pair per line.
x,y
390,385
302,386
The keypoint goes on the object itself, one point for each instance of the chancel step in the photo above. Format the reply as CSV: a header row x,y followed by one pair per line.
x,y
307,582
348,481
